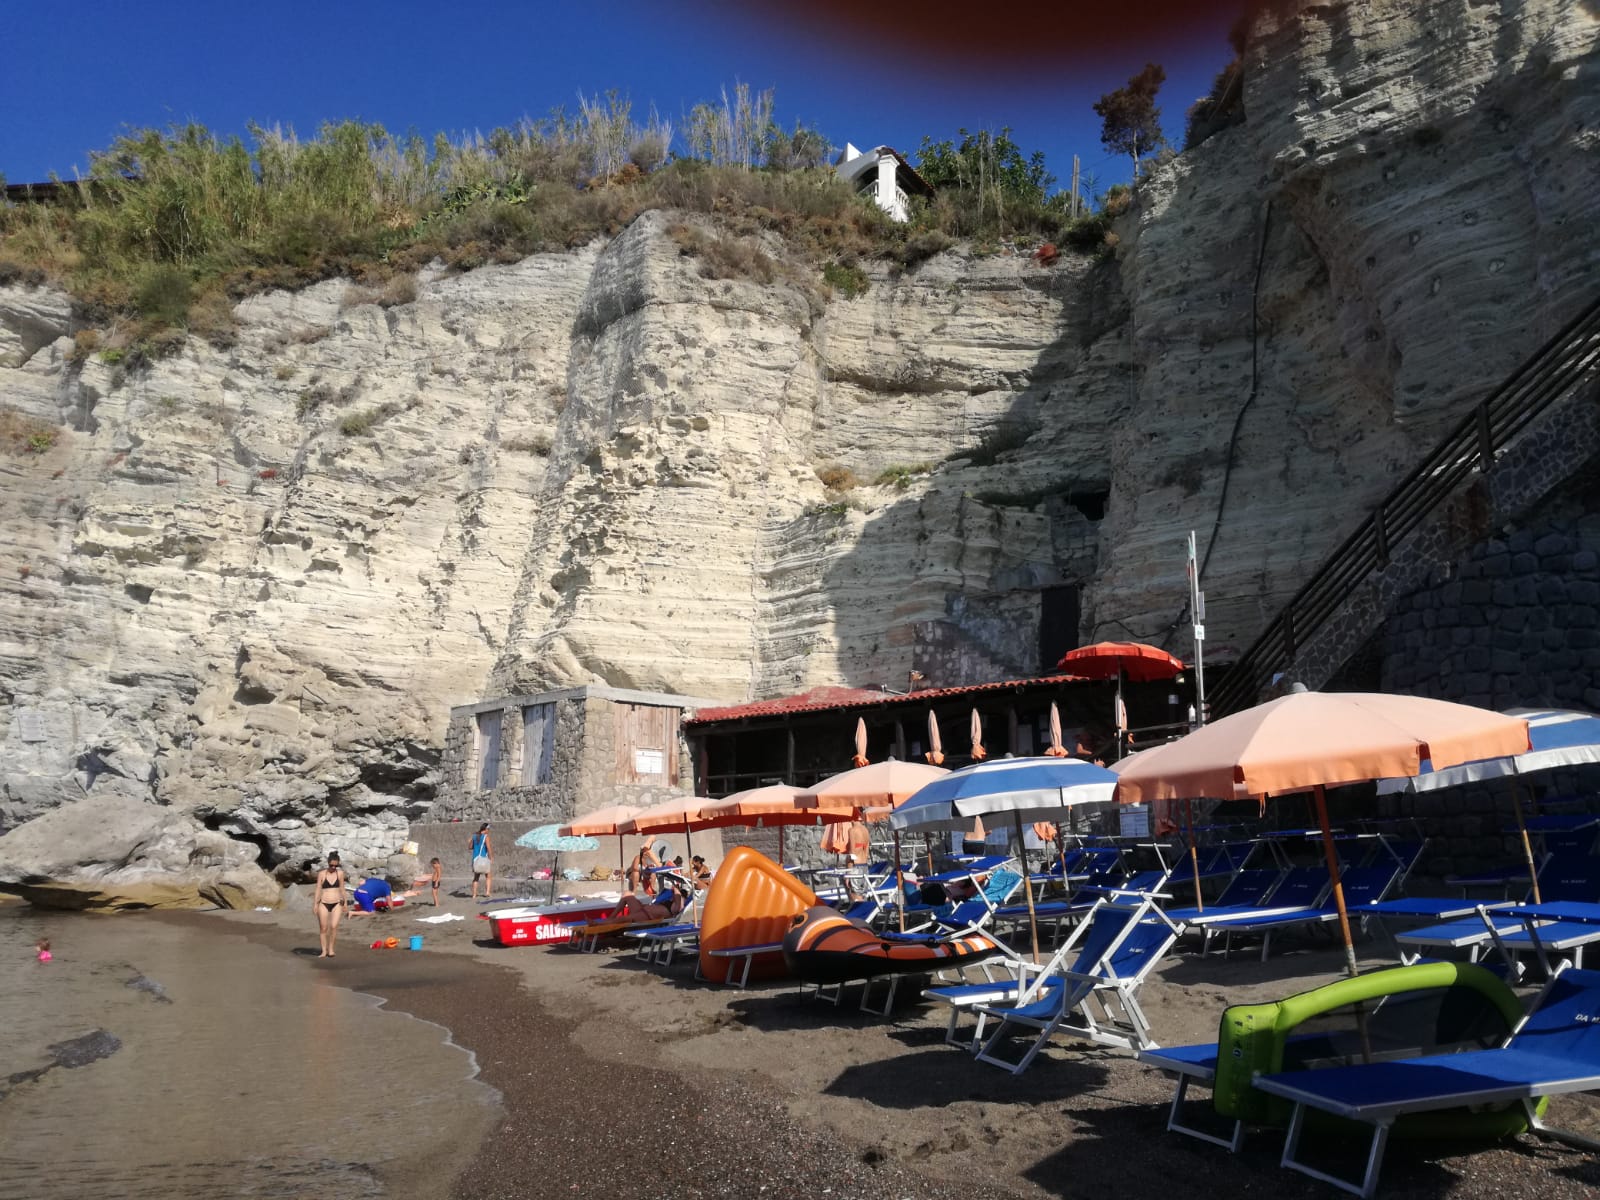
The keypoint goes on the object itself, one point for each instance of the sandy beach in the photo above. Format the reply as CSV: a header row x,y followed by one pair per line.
x,y
619,1080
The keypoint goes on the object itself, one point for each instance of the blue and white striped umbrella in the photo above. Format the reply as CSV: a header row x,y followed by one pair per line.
x,y
1029,789
1558,737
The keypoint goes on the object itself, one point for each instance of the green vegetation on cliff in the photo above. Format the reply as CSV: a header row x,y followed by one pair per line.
x,y
170,227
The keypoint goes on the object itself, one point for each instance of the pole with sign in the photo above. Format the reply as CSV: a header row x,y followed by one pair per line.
x,y
1197,614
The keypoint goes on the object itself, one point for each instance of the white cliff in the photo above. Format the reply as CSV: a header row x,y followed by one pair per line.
x,y
247,583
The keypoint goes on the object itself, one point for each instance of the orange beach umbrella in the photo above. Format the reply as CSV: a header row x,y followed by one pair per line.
x,y
889,782
603,822
1311,741
775,805
860,760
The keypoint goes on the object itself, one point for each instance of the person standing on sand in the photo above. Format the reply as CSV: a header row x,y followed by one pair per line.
x,y
330,901
435,878
482,862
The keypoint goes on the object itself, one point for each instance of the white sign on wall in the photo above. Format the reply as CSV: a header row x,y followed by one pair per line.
x,y
649,762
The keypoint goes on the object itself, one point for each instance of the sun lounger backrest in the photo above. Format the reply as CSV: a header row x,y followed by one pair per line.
x,y
1106,924
1137,953
1564,1022
1250,887
1368,885
1302,885
1569,878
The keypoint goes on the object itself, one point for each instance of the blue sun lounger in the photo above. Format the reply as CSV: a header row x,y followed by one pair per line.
x,y
1571,880
1056,913
1554,1049
1246,891
1300,892
1101,1003
1362,886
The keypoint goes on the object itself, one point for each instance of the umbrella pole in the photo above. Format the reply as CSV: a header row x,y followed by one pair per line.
x,y
1027,884
553,872
1338,888
899,883
780,845
1522,832
1194,855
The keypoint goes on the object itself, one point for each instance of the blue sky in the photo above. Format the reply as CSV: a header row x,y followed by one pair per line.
x,y
77,76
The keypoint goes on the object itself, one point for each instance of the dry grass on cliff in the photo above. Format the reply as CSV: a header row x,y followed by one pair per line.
x,y
172,227
22,434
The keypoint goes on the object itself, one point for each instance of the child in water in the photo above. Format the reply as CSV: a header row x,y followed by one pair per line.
x,y
43,947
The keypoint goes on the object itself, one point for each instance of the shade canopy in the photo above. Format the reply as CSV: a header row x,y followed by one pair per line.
x,y
1032,789
771,806
672,816
550,837
1133,660
603,822
1318,739
1558,737
889,782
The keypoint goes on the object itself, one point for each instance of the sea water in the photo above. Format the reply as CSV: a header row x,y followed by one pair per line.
x,y
156,1060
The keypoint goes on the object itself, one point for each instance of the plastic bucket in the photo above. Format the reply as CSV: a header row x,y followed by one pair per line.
x,y
416,941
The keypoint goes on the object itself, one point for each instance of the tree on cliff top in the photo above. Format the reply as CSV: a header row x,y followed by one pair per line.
x,y
990,168
1132,122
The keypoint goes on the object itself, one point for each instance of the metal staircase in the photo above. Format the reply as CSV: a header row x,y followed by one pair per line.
x,y
1568,361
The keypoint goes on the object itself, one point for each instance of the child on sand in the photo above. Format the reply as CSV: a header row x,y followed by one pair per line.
x,y
43,947
432,879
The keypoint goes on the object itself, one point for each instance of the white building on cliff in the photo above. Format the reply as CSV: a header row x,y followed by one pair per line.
x,y
885,175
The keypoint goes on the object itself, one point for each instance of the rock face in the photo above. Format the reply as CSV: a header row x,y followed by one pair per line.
x,y
247,584
109,852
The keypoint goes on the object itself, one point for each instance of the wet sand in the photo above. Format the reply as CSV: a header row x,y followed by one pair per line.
x,y
621,1081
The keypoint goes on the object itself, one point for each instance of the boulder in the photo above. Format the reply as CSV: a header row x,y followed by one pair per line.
x,y
113,852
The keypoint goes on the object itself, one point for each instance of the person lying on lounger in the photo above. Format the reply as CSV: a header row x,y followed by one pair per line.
x,y
666,903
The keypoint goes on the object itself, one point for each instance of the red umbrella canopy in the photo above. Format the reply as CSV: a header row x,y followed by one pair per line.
x,y
1103,660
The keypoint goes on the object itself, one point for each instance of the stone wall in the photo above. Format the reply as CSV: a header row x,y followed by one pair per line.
x,y
1531,476
583,775
1515,623
556,800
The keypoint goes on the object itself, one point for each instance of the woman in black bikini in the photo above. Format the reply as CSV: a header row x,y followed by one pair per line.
x,y
330,901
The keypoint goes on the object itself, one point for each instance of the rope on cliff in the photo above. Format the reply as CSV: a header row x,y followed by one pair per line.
x,y
1255,385
1166,633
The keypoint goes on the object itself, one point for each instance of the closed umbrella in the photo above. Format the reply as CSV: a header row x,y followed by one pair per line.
x,y
1056,749
860,759
935,755
1026,789
1311,741
975,729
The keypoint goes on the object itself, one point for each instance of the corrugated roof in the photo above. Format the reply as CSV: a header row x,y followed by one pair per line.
x,y
819,699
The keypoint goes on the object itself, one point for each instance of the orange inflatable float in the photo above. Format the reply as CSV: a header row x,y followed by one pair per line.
x,y
752,902
825,946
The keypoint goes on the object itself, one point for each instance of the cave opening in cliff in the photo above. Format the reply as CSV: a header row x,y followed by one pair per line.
x,y
266,859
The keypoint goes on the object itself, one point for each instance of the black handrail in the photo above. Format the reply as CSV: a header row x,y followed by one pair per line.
x,y
1551,372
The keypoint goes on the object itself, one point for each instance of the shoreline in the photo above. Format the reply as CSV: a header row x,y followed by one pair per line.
x,y
620,1080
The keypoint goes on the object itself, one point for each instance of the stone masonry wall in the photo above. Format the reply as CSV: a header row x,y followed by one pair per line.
x,y
1515,625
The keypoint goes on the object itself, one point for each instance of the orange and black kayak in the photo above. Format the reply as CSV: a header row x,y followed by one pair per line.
x,y
825,946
